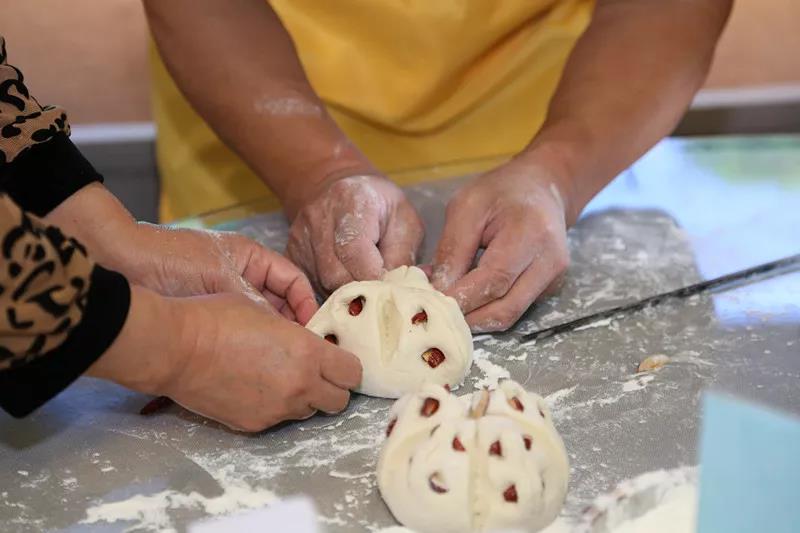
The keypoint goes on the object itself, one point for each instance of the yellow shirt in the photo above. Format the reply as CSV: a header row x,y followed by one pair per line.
x,y
413,83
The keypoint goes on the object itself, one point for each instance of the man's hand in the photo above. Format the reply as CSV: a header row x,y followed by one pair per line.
x,y
516,213
356,229
224,357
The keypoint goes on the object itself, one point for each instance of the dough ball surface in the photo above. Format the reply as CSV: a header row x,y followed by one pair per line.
x,y
404,331
487,461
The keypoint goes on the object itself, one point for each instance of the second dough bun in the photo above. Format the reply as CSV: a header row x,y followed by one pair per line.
x,y
488,461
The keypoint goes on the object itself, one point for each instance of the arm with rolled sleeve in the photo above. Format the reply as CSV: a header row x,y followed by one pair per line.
x,y
58,310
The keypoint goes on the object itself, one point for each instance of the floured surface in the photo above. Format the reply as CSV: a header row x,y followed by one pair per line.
x,y
88,449
676,514
653,502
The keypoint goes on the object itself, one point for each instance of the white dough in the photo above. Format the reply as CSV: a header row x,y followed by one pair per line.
x,y
511,474
388,340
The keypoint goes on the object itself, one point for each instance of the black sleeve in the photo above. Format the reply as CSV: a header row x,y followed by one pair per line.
x,y
26,386
46,174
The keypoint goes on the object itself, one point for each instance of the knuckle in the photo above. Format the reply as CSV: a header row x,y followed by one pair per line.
x,y
338,186
561,263
292,249
298,388
298,385
500,282
457,202
331,281
349,252
508,317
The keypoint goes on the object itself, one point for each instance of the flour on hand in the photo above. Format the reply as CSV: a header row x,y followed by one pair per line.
x,y
404,331
487,461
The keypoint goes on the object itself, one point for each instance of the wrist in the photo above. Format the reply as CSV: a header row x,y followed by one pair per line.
x,y
99,221
147,354
314,187
347,161
561,151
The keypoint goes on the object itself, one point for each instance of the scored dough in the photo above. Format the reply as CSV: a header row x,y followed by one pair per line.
x,y
403,330
487,461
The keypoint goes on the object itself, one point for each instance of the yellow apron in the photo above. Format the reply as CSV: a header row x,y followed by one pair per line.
x,y
413,83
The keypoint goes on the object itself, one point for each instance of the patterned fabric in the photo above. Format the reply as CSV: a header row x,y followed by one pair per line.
x,y
58,311
43,285
23,122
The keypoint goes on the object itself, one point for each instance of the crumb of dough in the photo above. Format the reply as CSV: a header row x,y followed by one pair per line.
x,y
654,362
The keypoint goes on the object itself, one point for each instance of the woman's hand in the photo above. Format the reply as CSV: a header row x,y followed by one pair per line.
x,y
186,262
182,262
356,229
224,357
517,214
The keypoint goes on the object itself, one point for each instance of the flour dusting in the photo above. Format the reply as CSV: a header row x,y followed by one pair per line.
x,y
149,512
638,383
492,373
287,107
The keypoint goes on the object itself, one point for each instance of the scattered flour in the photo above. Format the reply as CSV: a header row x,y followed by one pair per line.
x,y
492,373
598,324
561,525
638,383
600,294
677,513
150,512
660,501
287,107
555,399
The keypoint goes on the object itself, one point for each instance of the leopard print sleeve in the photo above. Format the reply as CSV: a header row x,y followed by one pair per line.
x,y
39,165
23,122
43,285
59,312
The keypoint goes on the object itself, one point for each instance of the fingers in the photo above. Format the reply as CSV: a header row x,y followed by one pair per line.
x,y
457,247
507,256
275,275
355,237
299,249
330,271
329,398
282,307
403,237
340,368
545,272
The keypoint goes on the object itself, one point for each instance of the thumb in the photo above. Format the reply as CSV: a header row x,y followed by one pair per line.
x,y
456,250
402,238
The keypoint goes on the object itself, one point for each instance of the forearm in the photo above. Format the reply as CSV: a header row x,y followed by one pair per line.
x,y
628,81
97,219
248,84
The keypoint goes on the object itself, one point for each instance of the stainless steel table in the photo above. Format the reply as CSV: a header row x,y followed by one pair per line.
x,y
690,209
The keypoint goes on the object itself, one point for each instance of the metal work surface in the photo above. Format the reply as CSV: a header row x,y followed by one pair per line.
x,y
689,210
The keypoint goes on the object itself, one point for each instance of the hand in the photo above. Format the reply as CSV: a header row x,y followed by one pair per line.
x,y
516,213
356,229
224,357
182,262
186,262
